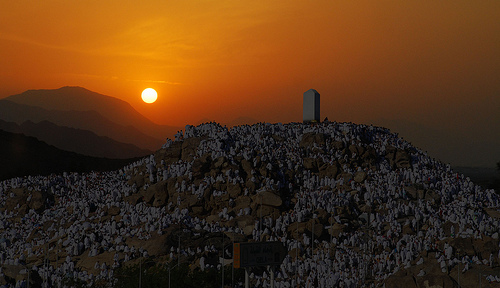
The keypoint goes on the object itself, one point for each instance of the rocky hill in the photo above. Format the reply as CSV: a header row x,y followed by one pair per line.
x,y
355,206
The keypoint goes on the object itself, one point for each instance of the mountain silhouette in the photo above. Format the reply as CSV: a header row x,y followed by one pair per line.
x,y
75,140
80,99
86,120
21,155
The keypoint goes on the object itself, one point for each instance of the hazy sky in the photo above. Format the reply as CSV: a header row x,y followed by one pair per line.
x,y
435,63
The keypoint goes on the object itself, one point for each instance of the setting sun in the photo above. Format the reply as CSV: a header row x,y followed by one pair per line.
x,y
149,95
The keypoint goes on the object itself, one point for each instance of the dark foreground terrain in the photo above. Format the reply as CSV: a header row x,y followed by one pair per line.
x,y
21,155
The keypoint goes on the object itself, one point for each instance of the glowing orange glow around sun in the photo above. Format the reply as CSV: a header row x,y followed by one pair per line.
x,y
149,95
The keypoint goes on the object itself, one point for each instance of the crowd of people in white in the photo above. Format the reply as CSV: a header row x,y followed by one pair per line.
x,y
346,260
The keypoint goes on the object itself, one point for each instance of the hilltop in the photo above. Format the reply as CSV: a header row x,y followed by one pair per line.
x,y
353,204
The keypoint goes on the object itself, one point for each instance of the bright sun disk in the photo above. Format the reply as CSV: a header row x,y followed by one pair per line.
x,y
149,95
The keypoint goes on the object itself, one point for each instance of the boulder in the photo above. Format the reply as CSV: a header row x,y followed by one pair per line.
x,y
402,159
137,179
317,228
248,230
242,202
247,166
337,145
201,166
432,196
234,190
264,211
309,139
113,210
267,198
219,162
356,150
398,281
336,229
19,198
148,194
370,156
197,210
434,281
156,245
170,155
297,229
312,164
360,176
330,171
189,147
38,200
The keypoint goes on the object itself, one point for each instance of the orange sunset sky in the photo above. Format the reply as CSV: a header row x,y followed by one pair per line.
x,y
434,63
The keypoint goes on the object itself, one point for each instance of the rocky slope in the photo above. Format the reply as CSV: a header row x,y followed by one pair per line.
x,y
355,205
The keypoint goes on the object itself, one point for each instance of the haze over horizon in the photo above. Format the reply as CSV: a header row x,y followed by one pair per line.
x,y
425,65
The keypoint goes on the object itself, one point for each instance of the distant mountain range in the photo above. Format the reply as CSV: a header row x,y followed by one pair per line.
x,y
81,99
22,156
76,140
79,108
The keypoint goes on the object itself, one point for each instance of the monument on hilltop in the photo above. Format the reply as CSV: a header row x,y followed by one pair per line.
x,y
311,106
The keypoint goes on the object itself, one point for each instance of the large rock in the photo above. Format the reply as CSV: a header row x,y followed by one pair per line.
x,y
189,147
201,166
315,227
220,162
336,229
432,196
14,198
336,145
267,198
297,229
137,179
402,159
330,171
370,156
406,281
356,150
264,211
312,164
360,176
114,210
242,202
247,166
309,139
38,201
170,155
434,281
156,245
234,190
412,192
